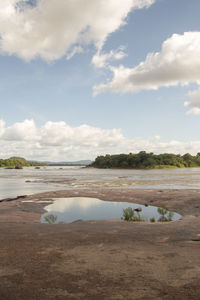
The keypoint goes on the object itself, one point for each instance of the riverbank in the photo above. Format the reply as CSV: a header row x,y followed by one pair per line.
x,y
110,259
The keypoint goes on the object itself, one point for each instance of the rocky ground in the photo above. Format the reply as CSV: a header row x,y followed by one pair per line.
x,y
110,259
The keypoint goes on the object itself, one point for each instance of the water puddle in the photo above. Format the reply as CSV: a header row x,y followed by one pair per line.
x,y
67,210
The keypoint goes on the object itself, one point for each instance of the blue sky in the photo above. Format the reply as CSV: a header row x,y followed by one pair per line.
x,y
44,95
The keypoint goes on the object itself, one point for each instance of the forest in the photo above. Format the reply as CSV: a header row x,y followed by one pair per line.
x,y
144,160
17,162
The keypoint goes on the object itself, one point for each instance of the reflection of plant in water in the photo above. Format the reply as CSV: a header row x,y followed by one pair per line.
x,y
166,215
129,215
50,219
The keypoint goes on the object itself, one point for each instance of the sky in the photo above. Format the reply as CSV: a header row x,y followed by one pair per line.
x,y
85,78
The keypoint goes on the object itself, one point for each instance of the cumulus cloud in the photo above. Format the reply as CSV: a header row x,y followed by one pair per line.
x,y
51,28
60,141
2,127
193,111
24,131
75,50
56,140
177,63
194,104
102,60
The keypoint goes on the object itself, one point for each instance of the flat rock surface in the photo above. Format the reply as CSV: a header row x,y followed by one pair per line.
x,y
110,259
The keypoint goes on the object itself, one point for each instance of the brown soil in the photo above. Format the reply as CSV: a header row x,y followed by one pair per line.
x,y
110,259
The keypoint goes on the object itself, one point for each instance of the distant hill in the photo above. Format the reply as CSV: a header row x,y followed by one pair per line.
x,y
68,163
19,162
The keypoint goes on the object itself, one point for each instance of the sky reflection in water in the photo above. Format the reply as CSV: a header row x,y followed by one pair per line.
x,y
68,210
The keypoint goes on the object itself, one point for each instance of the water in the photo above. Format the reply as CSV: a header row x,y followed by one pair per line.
x,y
14,182
67,210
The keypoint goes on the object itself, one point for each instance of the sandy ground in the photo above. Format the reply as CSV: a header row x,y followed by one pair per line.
x,y
110,259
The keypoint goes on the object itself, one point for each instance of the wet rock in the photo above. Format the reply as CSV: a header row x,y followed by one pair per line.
x,y
22,196
138,209
8,199
13,199
76,221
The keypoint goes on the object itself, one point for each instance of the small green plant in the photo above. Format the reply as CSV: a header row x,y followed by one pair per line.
x,y
152,220
170,215
163,210
138,217
165,214
50,219
129,215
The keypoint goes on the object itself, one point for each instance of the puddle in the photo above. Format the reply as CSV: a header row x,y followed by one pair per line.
x,y
37,201
67,210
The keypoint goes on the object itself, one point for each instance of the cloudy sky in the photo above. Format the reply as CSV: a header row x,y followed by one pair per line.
x,y
89,77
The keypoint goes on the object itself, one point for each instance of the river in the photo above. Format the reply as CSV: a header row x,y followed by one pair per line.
x,y
31,180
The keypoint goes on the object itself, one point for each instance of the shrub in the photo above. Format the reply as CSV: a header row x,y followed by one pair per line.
x,y
129,215
152,220
166,215
138,218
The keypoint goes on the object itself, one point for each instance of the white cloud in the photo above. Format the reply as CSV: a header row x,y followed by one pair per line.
x,y
24,131
75,50
56,140
177,63
194,104
193,111
51,28
157,137
101,60
2,127
60,141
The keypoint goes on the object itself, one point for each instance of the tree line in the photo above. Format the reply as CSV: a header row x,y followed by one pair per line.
x,y
18,162
144,160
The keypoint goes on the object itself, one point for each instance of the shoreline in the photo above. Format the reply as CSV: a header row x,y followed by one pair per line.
x,y
107,259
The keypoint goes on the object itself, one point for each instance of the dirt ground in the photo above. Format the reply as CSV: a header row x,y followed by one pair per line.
x,y
110,259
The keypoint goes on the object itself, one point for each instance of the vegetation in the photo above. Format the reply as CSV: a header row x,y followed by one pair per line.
x,y
144,160
17,162
166,215
50,219
153,220
129,215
